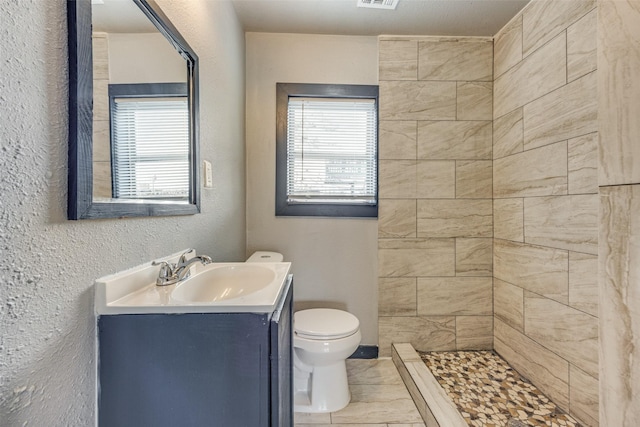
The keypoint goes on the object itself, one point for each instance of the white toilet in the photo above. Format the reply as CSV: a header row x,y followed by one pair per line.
x,y
323,338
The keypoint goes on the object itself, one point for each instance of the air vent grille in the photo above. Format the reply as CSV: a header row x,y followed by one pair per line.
x,y
378,4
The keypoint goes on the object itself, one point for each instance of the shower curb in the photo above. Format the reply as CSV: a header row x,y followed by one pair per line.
x,y
435,407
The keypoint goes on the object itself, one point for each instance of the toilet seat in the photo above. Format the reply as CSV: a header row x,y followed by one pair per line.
x,y
324,324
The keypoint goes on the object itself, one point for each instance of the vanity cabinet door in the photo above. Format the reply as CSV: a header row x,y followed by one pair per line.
x,y
281,362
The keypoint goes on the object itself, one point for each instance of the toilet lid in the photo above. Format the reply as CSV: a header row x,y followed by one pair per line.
x,y
324,323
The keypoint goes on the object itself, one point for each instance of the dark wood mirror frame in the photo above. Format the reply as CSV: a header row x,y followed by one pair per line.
x,y
80,198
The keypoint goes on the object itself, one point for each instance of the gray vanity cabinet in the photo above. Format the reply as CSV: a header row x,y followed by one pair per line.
x,y
196,370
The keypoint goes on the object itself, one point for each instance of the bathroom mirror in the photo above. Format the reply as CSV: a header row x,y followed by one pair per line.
x,y
133,112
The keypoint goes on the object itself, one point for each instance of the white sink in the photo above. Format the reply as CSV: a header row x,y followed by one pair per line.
x,y
214,288
215,282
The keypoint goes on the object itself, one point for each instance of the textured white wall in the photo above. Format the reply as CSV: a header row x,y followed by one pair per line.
x,y
334,259
48,264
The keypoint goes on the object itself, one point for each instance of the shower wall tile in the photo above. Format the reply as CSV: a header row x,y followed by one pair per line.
x,y
619,269
544,19
475,101
474,332
508,134
583,164
583,396
570,333
433,333
429,100
454,296
397,179
508,304
455,60
397,139
538,172
474,257
508,219
548,371
565,222
455,218
100,51
583,282
581,46
567,112
416,257
533,268
474,179
436,179
398,59
507,50
101,141
536,75
397,296
397,218
455,140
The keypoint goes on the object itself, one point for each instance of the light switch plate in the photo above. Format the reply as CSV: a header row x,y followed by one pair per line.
x,y
208,175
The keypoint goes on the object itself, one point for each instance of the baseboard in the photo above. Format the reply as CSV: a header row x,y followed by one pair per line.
x,y
365,352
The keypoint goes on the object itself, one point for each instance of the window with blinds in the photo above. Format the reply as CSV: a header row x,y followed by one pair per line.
x,y
331,153
150,147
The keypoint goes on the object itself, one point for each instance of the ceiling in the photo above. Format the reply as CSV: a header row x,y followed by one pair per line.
x,y
411,17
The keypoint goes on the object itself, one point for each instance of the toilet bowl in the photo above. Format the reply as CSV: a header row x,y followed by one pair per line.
x,y
323,339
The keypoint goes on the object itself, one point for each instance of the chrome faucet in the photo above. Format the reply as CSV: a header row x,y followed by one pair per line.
x,y
170,274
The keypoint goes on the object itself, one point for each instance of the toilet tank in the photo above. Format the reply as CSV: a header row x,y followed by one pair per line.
x,y
265,256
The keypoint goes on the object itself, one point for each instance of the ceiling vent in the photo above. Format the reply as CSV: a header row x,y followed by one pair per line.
x,y
378,4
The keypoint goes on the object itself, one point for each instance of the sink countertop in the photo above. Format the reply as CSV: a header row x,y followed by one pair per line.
x,y
134,292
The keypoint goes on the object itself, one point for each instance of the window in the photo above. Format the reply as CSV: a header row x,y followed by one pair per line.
x,y
149,141
327,150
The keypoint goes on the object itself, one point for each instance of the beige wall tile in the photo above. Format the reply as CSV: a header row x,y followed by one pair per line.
x,y
534,268
100,44
449,296
583,164
402,100
583,396
565,222
397,296
398,139
474,332
507,48
416,257
508,304
508,134
474,257
101,141
571,334
455,140
398,60
536,75
583,282
581,46
397,179
475,101
538,172
619,92
455,218
548,371
508,219
567,112
544,19
474,179
435,333
396,218
436,179
101,100
455,60
619,269
102,180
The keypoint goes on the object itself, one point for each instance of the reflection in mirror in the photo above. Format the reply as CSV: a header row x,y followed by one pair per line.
x,y
142,146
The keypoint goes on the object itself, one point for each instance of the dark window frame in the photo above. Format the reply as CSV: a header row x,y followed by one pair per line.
x,y
284,91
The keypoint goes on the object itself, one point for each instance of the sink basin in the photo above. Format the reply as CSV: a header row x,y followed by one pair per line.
x,y
214,283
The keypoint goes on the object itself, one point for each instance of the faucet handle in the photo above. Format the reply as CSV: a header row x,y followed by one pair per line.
x,y
165,274
183,257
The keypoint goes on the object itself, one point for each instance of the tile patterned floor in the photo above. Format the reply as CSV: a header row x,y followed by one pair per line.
x,y
378,399
488,392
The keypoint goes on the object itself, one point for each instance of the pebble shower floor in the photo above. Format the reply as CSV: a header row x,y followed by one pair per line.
x,y
488,392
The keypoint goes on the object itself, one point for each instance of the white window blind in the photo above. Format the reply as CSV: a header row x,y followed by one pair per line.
x,y
150,138
332,151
